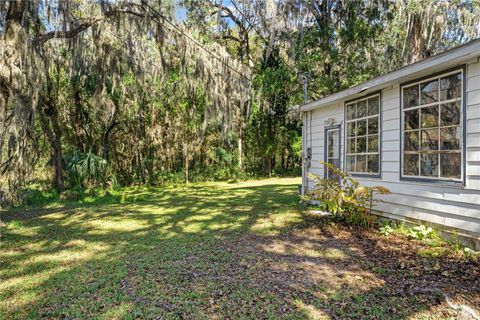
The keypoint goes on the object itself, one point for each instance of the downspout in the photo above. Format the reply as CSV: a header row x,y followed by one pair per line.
x,y
304,143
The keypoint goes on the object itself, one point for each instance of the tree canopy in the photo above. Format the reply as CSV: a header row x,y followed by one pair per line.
x,y
132,91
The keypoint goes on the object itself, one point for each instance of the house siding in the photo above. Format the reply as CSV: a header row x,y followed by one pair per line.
x,y
453,206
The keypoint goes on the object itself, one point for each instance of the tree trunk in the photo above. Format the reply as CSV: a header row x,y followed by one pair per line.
x,y
416,42
269,166
51,128
106,140
185,157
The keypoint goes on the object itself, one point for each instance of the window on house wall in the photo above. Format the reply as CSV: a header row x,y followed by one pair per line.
x,y
432,128
362,142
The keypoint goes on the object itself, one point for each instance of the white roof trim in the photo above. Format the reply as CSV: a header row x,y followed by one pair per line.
x,y
449,58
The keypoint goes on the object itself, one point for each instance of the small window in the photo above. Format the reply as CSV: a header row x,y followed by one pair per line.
x,y
432,129
362,144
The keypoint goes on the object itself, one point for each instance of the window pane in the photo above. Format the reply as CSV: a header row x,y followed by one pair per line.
x,y
411,141
333,143
361,109
372,163
429,165
373,125
410,164
373,143
351,146
451,165
362,127
430,139
351,111
411,119
362,145
429,117
351,129
429,92
450,138
350,163
451,87
361,165
450,114
373,106
410,96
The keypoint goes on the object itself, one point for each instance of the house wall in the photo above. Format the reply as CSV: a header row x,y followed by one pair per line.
x,y
452,206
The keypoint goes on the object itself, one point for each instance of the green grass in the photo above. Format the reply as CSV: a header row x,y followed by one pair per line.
x,y
124,255
210,250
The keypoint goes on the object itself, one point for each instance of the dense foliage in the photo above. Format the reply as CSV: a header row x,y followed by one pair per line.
x,y
151,92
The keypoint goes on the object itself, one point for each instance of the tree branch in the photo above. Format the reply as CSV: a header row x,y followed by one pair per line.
x,y
66,34
127,8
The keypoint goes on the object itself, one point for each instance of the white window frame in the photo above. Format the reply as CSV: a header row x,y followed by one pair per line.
x,y
438,76
379,153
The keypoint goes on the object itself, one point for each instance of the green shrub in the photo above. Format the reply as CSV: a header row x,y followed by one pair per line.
x,y
87,170
37,196
345,197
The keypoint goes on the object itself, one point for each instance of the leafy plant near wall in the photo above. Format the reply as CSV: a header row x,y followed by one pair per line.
x,y
345,197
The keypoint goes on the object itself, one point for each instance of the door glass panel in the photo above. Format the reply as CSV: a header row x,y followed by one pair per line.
x,y
333,144
333,149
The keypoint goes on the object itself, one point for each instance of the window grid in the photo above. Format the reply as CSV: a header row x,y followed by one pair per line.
x,y
440,104
367,136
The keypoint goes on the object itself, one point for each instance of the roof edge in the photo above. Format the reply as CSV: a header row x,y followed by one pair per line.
x,y
463,51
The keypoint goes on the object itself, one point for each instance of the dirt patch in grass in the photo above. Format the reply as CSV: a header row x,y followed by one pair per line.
x,y
316,271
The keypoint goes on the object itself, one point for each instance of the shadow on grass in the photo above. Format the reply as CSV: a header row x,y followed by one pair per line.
x,y
232,251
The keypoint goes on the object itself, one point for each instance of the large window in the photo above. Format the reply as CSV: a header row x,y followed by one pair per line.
x,y
362,143
432,128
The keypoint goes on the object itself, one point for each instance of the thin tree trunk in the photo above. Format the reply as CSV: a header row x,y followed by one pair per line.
x,y
106,140
185,157
54,134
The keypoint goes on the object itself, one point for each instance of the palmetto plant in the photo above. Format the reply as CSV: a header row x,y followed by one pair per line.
x,y
86,169
345,196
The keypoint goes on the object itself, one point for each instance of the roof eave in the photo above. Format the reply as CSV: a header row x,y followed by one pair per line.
x,y
448,58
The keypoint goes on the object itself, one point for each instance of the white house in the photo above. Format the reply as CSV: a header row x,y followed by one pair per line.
x,y
416,131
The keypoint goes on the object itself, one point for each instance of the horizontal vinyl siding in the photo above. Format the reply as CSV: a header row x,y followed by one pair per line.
x,y
453,206
473,126
390,134
319,116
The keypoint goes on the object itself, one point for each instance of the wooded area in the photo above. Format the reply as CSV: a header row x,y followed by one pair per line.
x,y
149,92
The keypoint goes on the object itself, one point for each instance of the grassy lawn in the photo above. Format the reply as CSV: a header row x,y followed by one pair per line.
x,y
217,250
